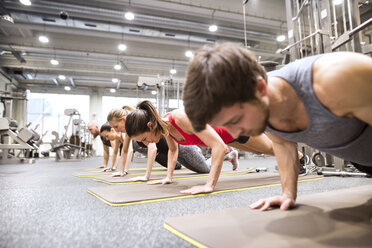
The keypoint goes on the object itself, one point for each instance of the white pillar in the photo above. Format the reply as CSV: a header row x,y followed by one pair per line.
x,y
95,113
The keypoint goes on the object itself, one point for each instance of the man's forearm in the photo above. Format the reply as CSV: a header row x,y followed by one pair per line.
x,y
218,154
287,158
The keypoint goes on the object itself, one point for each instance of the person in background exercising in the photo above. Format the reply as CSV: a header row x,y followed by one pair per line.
x,y
94,130
323,101
107,133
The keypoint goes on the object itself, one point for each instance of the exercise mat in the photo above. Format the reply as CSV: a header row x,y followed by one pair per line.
x,y
341,218
177,176
128,194
155,168
133,171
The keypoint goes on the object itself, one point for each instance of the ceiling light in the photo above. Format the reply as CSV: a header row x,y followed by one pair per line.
x,y
153,92
67,88
115,80
122,47
362,43
129,16
173,71
25,2
338,2
54,62
280,38
62,77
189,54
43,39
213,28
112,90
117,67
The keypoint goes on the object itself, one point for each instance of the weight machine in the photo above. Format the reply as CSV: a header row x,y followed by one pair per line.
x,y
15,145
68,150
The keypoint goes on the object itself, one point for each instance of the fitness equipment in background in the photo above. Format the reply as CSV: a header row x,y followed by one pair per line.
x,y
328,165
15,145
24,141
64,149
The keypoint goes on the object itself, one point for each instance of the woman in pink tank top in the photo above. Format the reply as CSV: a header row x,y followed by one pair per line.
x,y
145,125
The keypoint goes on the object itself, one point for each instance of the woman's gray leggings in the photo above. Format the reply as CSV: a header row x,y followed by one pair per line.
x,y
192,158
189,156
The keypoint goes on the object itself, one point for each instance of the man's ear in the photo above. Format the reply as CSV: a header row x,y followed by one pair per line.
x,y
261,86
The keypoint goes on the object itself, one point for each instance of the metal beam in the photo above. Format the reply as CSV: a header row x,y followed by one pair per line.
x,y
72,82
56,82
118,85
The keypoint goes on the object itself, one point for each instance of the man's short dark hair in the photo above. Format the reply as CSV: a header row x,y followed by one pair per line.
x,y
217,77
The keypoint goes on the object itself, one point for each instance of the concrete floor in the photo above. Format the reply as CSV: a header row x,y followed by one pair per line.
x,y
43,205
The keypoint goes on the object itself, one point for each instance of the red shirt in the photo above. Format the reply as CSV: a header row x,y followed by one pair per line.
x,y
192,139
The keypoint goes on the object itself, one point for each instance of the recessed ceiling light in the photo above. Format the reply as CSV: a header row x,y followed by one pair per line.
x,y
117,67
280,38
54,62
25,2
43,39
153,92
213,28
67,88
189,54
112,90
129,16
62,77
173,71
115,80
122,47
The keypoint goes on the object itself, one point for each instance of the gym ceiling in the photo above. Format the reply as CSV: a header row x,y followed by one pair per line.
x,y
84,37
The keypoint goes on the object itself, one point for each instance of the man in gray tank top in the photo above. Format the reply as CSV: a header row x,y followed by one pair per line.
x,y
324,101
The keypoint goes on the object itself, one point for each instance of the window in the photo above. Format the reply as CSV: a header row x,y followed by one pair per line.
x,y
46,112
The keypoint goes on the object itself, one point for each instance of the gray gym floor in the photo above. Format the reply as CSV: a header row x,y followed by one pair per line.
x,y
43,205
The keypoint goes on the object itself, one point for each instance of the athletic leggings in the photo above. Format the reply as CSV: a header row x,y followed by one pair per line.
x,y
189,156
192,158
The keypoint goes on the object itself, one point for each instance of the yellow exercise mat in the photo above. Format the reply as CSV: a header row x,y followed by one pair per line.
x,y
341,218
131,172
128,194
186,174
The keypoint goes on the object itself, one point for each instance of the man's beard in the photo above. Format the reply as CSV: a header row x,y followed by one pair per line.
x,y
265,122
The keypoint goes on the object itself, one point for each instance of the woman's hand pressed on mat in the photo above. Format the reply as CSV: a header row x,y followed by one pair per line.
x,y
166,180
198,190
119,174
139,179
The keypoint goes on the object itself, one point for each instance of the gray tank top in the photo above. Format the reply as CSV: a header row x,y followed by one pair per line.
x,y
347,138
